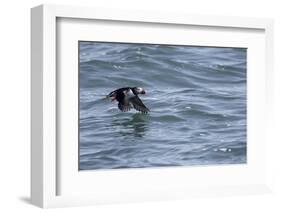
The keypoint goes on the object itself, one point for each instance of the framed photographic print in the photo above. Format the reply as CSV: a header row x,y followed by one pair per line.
x,y
132,106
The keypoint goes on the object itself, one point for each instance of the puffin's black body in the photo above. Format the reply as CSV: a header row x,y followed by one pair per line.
x,y
127,98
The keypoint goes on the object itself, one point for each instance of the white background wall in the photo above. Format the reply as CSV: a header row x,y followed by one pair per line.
x,y
15,98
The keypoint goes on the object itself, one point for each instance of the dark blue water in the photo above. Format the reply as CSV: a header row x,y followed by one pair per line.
x,y
197,98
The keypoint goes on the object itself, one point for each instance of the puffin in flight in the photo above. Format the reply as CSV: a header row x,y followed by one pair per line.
x,y
128,98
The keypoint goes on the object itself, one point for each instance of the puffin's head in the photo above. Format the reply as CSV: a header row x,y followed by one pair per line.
x,y
139,90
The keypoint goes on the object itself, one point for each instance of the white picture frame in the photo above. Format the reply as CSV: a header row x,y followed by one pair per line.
x,y
45,157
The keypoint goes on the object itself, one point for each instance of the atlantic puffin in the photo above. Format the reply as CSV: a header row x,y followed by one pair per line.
x,y
128,98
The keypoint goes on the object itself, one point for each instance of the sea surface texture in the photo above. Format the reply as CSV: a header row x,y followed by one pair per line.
x,y
197,99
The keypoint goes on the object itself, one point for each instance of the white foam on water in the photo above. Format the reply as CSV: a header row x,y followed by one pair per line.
x,y
223,149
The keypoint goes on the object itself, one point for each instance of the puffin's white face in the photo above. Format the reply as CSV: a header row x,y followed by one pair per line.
x,y
140,90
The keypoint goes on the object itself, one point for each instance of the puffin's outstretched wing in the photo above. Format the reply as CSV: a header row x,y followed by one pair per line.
x,y
138,105
124,106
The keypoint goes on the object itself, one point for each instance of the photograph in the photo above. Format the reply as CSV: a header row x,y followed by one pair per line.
x,y
146,105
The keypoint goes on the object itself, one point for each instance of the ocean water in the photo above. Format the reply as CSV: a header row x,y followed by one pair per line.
x,y
197,99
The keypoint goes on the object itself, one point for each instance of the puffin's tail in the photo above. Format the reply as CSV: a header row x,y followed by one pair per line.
x,y
105,97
